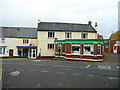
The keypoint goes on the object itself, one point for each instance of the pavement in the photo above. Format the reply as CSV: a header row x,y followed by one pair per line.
x,y
32,73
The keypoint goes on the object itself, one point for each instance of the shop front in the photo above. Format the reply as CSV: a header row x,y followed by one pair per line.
x,y
27,51
89,50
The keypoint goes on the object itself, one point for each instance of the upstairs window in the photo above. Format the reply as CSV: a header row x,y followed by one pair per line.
x,y
84,36
50,34
50,46
68,35
25,41
2,40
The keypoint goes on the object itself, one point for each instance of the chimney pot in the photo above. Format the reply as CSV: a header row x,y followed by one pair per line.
x,y
90,22
96,24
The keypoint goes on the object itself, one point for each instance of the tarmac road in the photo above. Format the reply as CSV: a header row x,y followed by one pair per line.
x,y
28,73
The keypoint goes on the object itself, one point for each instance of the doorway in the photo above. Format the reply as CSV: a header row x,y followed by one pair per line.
x,y
59,50
32,53
114,49
10,52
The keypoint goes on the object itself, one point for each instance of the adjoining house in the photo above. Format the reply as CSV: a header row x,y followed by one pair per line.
x,y
18,42
50,33
115,42
106,45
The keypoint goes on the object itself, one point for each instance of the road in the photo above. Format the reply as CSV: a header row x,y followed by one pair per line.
x,y
28,73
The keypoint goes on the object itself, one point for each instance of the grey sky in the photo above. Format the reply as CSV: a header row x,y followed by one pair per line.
x,y
25,13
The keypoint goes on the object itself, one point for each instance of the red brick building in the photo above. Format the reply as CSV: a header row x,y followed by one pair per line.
x,y
86,50
114,42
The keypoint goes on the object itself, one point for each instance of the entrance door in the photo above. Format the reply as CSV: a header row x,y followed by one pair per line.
x,y
59,50
114,49
10,52
25,52
32,53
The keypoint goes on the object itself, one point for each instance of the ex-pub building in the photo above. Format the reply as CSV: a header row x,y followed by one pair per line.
x,y
69,40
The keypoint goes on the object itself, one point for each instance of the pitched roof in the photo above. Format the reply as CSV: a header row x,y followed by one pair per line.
x,y
18,32
115,36
55,26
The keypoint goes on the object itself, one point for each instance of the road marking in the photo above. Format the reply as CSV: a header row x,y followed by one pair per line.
x,y
43,71
75,74
37,60
66,66
113,78
88,66
117,66
90,75
15,73
60,72
105,67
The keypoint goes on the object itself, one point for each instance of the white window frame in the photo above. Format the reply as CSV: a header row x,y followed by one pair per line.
x,y
49,47
68,34
51,34
78,45
90,45
86,35
2,40
25,41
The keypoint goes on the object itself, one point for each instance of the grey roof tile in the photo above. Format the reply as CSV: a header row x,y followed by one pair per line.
x,y
55,26
18,32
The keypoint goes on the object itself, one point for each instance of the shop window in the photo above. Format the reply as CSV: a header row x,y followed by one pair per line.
x,y
68,35
84,35
88,49
50,34
2,51
19,52
50,46
75,49
25,41
98,50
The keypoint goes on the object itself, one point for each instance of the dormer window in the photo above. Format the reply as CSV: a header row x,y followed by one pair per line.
x,y
25,41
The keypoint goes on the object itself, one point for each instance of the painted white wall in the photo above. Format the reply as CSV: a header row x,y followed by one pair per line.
x,y
11,44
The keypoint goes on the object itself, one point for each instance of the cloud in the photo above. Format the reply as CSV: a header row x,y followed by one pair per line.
x,y
27,12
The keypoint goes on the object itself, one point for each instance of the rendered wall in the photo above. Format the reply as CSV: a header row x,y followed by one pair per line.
x,y
43,41
11,44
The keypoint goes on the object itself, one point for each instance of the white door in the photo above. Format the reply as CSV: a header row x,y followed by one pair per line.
x,y
32,53
114,49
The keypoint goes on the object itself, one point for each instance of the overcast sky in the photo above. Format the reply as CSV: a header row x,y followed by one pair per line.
x,y
25,13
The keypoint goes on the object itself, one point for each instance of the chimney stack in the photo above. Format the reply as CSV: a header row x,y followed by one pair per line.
x,y
96,24
90,23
